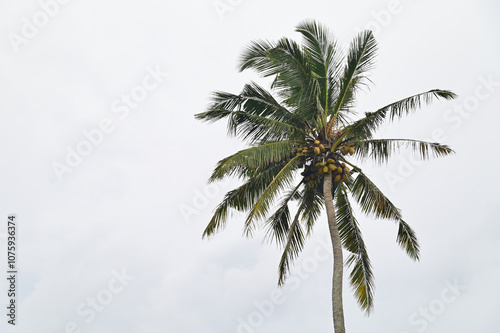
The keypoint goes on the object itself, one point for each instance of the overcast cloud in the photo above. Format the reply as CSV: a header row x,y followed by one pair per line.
x,y
106,169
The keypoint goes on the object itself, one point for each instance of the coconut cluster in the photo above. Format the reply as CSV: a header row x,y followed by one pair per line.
x,y
320,161
347,150
317,148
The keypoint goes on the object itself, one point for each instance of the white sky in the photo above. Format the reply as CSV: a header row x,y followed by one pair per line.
x,y
119,211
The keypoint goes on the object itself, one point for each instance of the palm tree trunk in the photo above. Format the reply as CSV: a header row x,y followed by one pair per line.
x,y
338,261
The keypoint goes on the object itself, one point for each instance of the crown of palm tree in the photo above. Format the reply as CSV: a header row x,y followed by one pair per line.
x,y
305,132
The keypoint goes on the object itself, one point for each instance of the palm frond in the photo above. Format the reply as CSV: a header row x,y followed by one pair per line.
x,y
309,209
293,246
278,224
361,276
254,115
256,57
281,181
242,198
259,101
322,50
295,83
254,158
373,202
371,199
380,150
407,239
360,60
283,59
257,129
311,203
366,126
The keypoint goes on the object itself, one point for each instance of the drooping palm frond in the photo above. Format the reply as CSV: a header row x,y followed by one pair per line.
x,y
293,246
371,199
361,276
291,235
312,203
380,150
281,181
373,202
278,223
243,197
407,239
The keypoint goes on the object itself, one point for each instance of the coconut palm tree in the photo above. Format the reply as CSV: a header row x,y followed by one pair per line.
x,y
306,141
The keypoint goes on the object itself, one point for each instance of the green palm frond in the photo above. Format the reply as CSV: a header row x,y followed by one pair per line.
x,y
259,100
253,158
407,239
325,61
294,82
361,276
218,220
293,246
243,197
260,128
312,203
403,107
262,118
373,202
283,59
254,115
365,127
281,181
256,57
360,60
292,236
278,224
380,150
